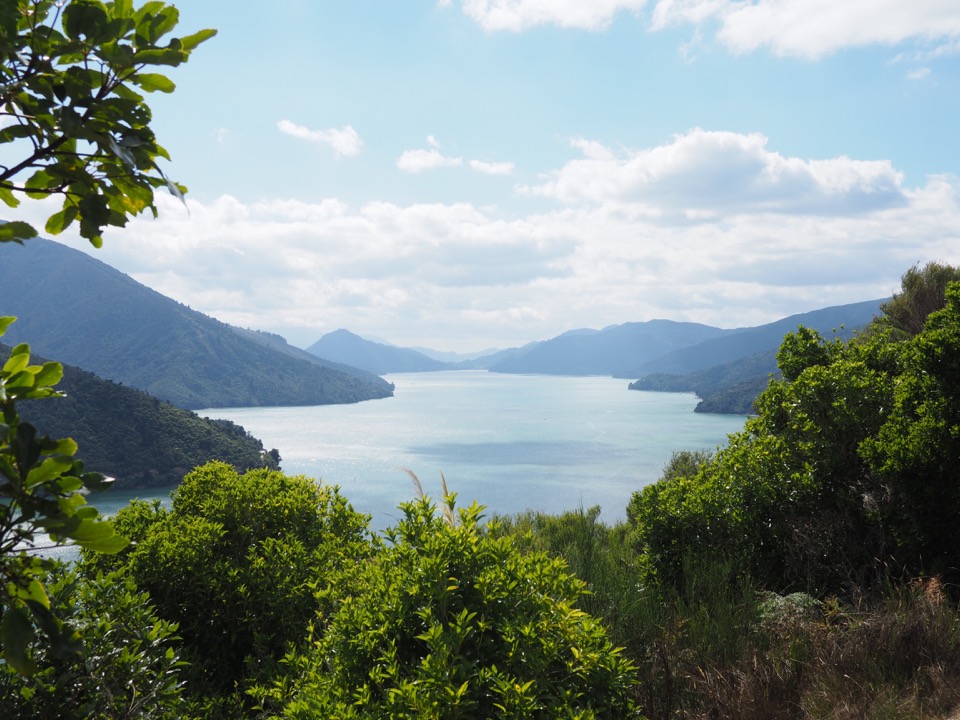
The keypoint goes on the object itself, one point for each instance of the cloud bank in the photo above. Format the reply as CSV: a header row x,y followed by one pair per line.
x,y
802,28
631,236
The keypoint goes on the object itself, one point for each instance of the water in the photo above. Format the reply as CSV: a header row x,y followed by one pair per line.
x,y
510,442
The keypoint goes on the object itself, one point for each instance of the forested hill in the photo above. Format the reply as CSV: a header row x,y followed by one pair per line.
x,y
134,437
77,310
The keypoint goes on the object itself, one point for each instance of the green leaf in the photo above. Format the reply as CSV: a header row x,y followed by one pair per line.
x,y
16,231
159,56
9,199
17,633
13,132
5,322
34,591
47,470
154,81
60,221
18,360
50,374
84,17
190,42
64,446
99,536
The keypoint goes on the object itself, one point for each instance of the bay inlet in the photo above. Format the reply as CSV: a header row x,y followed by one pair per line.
x,y
509,442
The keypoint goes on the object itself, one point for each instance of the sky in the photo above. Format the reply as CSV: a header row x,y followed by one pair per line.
x,y
472,174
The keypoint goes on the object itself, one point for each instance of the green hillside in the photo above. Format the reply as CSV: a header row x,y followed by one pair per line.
x,y
136,438
78,310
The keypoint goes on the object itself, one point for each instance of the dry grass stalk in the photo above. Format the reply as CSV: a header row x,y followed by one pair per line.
x,y
446,506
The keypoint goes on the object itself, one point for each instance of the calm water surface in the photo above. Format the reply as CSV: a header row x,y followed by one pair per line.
x,y
510,442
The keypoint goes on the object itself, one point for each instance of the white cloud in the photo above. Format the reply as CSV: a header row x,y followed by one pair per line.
x,y
814,28
802,28
721,171
517,15
418,273
417,161
345,142
921,73
488,168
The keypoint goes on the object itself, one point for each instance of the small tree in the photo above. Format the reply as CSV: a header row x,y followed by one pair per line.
x,y
922,292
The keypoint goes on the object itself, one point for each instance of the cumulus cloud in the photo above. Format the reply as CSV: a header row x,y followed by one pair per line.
x,y
345,142
417,161
814,28
517,15
721,171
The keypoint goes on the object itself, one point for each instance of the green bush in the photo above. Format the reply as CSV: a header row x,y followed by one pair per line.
x,y
452,622
129,667
239,562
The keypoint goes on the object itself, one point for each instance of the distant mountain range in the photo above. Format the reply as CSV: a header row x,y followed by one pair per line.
x,y
727,368
631,350
80,311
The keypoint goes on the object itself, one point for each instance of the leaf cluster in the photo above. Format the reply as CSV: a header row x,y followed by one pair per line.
x,y
42,489
71,82
129,668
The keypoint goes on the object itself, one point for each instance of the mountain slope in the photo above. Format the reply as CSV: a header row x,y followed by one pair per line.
x,y
735,344
134,437
730,388
343,346
615,350
80,311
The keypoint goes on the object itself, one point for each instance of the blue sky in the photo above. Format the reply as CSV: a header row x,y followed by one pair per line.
x,y
464,175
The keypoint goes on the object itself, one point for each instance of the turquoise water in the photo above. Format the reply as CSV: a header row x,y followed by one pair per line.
x,y
510,442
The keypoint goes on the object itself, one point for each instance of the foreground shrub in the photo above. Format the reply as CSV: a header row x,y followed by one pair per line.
x,y
129,666
238,562
451,622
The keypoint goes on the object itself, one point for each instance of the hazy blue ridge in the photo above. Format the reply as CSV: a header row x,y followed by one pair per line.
x,y
735,344
78,310
614,351
343,346
728,373
132,436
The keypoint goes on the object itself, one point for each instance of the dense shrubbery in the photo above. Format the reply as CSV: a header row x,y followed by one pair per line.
x,y
130,666
848,469
450,622
239,562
